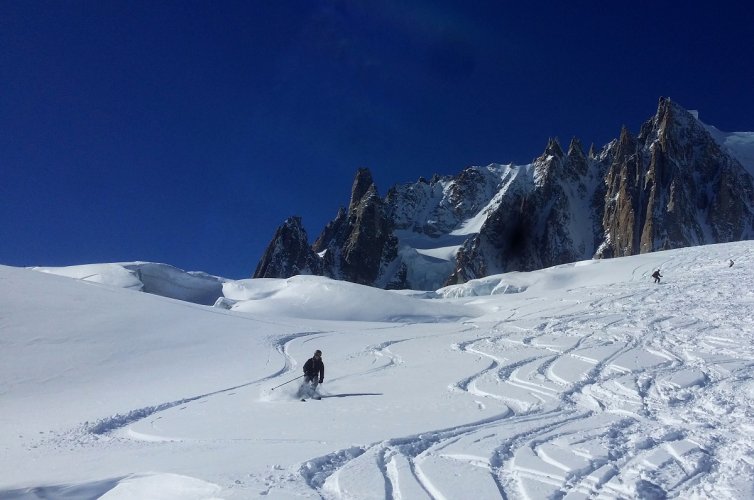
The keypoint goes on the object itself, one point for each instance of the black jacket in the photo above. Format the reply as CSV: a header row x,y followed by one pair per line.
x,y
314,367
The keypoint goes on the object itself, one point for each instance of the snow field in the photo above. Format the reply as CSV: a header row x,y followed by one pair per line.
x,y
582,381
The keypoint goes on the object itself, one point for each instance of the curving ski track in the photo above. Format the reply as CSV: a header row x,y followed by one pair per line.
x,y
112,423
578,391
604,405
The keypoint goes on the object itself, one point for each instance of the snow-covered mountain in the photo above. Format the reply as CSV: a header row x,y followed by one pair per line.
x,y
584,380
678,183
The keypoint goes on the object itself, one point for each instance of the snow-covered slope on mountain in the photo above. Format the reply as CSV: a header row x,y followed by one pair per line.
x,y
581,381
740,145
434,219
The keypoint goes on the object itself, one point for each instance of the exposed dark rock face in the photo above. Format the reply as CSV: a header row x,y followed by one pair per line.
x,y
359,245
289,253
435,207
674,186
671,186
502,242
550,221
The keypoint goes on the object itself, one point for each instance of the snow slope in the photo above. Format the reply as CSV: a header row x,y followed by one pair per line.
x,y
739,144
581,381
149,277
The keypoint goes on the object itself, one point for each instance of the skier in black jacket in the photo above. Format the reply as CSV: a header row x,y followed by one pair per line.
x,y
314,373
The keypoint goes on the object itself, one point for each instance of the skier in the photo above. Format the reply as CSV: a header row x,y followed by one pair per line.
x,y
314,374
730,264
656,275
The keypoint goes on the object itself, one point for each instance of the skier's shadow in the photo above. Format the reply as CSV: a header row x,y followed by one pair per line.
x,y
351,394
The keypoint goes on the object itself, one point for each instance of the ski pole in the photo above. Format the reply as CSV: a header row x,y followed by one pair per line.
x,y
281,385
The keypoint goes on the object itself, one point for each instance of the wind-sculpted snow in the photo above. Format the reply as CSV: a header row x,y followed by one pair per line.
x,y
315,297
492,285
739,144
157,279
590,382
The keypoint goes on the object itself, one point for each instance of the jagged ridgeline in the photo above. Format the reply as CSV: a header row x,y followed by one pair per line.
x,y
672,186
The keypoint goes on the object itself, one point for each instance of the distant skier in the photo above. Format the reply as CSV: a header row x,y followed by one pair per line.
x,y
730,264
656,275
314,373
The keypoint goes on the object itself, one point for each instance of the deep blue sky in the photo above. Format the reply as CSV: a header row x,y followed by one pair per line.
x,y
186,132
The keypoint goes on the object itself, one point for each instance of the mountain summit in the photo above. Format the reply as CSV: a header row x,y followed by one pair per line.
x,y
677,184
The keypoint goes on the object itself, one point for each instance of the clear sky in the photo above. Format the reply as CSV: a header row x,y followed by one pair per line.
x,y
185,132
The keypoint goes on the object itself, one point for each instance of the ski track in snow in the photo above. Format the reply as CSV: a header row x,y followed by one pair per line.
x,y
639,398
107,425
578,391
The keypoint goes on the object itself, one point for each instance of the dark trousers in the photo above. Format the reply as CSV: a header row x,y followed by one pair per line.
x,y
309,386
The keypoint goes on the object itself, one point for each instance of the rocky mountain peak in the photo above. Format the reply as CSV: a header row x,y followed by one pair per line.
x,y
288,253
545,163
575,149
670,186
362,185
626,146
669,112
553,148
671,123
576,161
330,231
